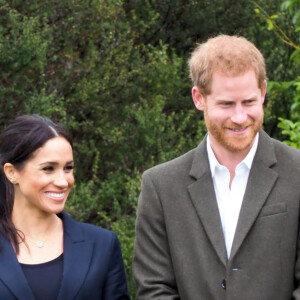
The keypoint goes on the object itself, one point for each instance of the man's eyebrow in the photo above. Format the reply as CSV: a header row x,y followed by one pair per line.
x,y
225,100
251,97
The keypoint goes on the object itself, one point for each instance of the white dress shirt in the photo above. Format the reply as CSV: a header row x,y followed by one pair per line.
x,y
230,200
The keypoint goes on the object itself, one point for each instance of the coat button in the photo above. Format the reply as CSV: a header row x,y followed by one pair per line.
x,y
223,284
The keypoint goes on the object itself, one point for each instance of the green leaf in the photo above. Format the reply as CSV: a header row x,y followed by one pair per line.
x,y
270,25
257,11
286,4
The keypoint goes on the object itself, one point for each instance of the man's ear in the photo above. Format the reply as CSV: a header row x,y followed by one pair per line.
x,y
10,172
198,98
264,91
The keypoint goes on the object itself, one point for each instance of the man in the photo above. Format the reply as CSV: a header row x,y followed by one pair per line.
x,y
222,221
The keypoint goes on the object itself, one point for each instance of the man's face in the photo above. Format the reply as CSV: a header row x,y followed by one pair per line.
x,y
233,111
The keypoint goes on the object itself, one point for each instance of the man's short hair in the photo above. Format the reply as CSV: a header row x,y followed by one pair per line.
x,y
230,55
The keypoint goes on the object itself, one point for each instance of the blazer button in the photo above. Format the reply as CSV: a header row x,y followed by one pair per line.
x,y
223,284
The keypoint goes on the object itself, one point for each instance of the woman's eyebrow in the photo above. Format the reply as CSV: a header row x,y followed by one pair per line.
x,y
56,163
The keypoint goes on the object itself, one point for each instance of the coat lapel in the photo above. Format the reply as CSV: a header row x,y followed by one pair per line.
x,y
204,199
77,259
11,272
260,183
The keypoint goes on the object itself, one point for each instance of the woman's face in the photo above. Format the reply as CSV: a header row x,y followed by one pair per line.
x,y
46,179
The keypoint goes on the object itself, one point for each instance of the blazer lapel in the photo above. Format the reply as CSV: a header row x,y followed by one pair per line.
x,y
204,199
77,259
260,183
11,272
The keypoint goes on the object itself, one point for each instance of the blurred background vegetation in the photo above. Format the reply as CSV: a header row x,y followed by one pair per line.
x,y
114,73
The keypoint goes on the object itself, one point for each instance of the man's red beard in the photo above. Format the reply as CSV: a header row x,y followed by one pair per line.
x,y
230,142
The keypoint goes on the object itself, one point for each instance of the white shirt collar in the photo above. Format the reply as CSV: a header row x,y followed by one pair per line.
x,y
248,160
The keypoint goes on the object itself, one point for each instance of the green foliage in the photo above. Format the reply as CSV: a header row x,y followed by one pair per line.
x,y
290,127
23,45
182,23
292,130
124,102
282,62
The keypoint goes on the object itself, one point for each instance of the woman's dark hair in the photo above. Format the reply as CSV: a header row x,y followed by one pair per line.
x,y
18,142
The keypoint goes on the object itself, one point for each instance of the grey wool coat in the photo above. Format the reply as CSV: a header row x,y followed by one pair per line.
x,y
180,250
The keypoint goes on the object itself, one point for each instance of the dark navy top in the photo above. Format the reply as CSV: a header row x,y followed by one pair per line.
x,y
45,279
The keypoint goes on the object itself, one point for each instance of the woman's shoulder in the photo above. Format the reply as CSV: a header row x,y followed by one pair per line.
x,y
93,229
85,230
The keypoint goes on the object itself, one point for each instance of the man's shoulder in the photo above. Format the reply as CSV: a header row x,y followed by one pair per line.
x,y
281,147
287,156
179,165
276,153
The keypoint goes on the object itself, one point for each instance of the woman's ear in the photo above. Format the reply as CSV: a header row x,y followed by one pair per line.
x,y
198,98
10,172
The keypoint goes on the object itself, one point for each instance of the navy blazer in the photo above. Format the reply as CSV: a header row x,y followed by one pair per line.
x,y
92,266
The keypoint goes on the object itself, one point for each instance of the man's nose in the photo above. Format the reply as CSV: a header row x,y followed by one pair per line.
x,y
239,115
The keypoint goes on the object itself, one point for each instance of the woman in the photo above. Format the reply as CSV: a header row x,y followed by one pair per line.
x,y
44,253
